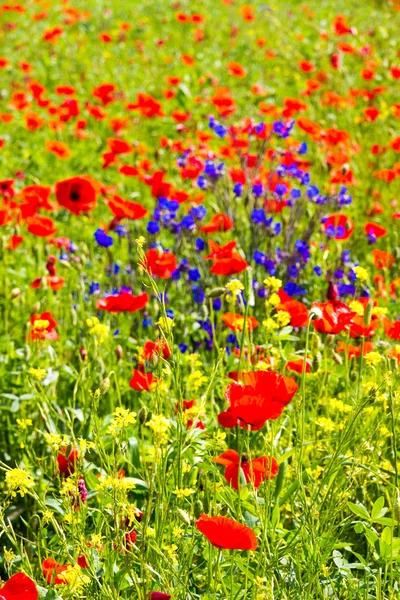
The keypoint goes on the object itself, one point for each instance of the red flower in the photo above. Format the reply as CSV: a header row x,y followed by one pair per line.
x,y
219,222
256,470
358,328
297,365
123,302
297,310
52,281
236,70
60,149
43,327
352,350
375,230
236,322
41,226
227,260
142,381
392,328
160,264
19,587
52,571
78,194
158,348
159,596
126,209
338,226
226,533
335,316
261,396
66,464
383,259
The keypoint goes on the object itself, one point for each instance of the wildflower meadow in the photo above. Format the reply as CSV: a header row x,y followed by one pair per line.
x,y
200,300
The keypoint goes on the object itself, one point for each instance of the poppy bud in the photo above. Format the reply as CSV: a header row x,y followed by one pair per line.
x,y
184,517
105,385
198,508
353,376
15,292
119,352
368,313
216,292
36,307
142,415
337,358
83,353
332,294
396,506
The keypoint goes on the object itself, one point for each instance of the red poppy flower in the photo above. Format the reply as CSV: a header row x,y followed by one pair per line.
x,y
335,317
297,310
159,596
256,470
158,348
247,12
123,302
162,264
236,70
375,230
52,571
126,209
37,196
338,226
60,149
297,365
41,226
142,381
78,194
392,328
66,464
43,327
226,533
227,260
383,259
235,322
52,281
261,396
14,242
19,587
352,350
219,222
147,106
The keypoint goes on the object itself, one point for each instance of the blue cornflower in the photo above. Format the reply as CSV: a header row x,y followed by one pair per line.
x,y
103,239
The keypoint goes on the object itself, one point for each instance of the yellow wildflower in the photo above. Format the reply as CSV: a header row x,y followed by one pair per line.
x,y
373,358
183,492
97,329
18,481
75,577
357,307
24,423
38,374
361,273
122,419
283,318
274,300
56,441
273,283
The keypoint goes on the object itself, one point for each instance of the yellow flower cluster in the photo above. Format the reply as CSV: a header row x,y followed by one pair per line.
x,y
122,419
18,481
273,283
38,374
361,273
97,329
56,441
159,426
75,578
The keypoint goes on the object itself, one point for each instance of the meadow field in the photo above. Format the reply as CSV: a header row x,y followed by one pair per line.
x,y
200,300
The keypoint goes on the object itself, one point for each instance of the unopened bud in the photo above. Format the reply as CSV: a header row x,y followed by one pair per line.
x,y
36,307
337,358
83,353
119,352
368,313
105,385
216,292
184,517
198,508
15,292
142,415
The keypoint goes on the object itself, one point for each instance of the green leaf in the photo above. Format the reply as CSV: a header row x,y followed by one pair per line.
x,y
359,510
378,509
